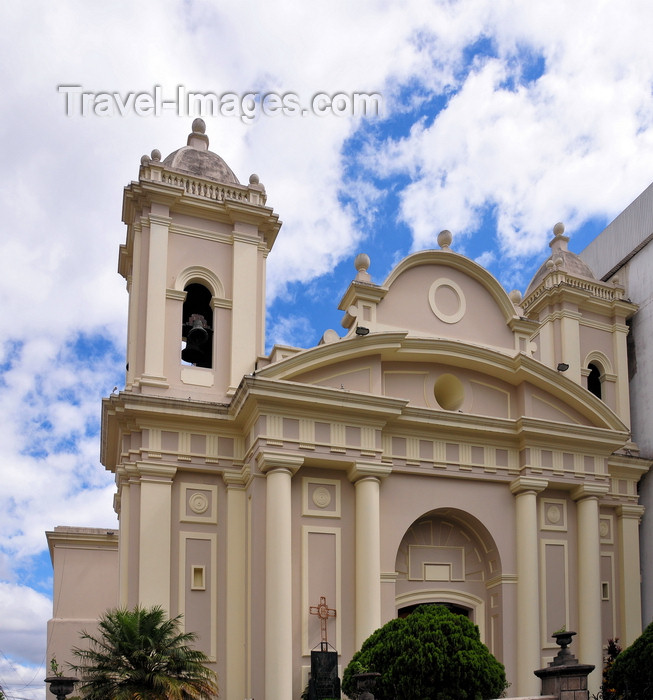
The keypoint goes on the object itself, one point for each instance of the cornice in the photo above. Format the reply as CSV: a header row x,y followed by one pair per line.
x,y
81,538
261,393
627,467
506,365
365,291
572,436
631,511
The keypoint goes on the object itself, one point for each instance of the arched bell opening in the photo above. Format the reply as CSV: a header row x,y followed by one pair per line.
x,y
197,326
594,379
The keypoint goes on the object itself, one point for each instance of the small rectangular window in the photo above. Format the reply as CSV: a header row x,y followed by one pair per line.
x,y
605,590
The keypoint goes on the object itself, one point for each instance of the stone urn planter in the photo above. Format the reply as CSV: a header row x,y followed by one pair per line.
x,y
60,686
366,683
564,656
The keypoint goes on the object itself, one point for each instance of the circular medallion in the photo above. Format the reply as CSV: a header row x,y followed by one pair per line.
x,y
321,497
198,503
604,528
553,514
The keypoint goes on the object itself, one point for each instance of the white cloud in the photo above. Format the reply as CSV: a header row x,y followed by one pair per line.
x,y
23,612
571,145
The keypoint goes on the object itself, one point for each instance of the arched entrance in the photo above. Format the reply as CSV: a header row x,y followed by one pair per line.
x,y
447,556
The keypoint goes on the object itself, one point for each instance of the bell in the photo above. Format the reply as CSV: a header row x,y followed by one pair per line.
x,y
197,336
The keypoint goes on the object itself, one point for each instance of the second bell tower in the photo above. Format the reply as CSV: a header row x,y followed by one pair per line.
x,y
194,261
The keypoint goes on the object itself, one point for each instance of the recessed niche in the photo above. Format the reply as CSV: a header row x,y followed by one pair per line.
x,y
198,582
449,392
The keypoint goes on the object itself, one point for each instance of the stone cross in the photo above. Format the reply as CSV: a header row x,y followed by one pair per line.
x,y
324,612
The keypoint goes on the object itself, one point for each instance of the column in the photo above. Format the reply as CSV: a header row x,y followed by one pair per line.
x,y
367,479
278,469
155,534
590,633
156,297
528,640
236,593
630,603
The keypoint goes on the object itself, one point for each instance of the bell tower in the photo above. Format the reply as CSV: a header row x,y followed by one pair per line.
x,y
194,261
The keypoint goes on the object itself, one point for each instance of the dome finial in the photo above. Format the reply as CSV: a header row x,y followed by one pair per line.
x,y
559,242
198,138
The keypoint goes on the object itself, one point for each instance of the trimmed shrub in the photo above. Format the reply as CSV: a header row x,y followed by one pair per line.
x,y
432,654
631,674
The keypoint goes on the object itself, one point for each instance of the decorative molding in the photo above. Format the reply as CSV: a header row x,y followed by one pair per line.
x,y
185,567
307,531
324,500
457,290
553,514
198,503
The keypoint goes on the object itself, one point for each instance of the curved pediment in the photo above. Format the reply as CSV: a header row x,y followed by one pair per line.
x,y
436,293
447,375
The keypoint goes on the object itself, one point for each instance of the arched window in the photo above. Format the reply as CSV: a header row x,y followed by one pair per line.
x,y
594,379
197,326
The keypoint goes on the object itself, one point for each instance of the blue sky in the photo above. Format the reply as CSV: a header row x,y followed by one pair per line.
x,y
500,118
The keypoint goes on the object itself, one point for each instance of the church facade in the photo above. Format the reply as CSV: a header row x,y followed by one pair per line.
x,y
456,445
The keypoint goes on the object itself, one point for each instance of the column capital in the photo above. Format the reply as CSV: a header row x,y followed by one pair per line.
x,y
159,219
589,491
527,484
237,479
148,471
362,470
630,510
269,461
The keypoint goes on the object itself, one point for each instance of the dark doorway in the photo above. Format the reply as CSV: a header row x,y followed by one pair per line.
x,y
457,609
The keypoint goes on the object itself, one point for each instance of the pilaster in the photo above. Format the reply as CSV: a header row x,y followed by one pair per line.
x,y
155,534
245,296
237,588
630,602
157,264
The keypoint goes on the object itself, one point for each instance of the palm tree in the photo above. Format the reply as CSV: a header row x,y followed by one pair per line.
x,y
140,654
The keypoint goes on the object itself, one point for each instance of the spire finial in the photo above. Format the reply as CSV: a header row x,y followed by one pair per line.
x,y
444,239
362,263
